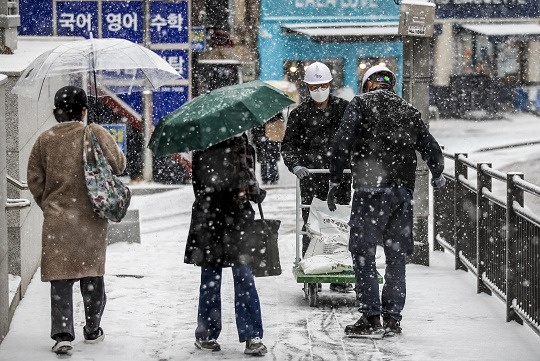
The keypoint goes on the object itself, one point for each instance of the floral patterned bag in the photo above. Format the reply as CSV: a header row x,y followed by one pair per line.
x,y
109,197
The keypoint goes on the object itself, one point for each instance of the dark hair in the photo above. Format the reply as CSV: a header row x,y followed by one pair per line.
x,y
69,102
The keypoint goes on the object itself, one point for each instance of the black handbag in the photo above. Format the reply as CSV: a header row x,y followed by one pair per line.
x,y
261,246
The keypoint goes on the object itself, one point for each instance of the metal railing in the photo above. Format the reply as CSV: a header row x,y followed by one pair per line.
x,y
495,237
16,203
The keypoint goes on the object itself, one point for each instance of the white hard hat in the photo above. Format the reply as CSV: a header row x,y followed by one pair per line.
x,y
377,69
317,73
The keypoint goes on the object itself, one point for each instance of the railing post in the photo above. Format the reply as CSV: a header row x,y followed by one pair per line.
x,y
513,194
482,232
437,214
459,207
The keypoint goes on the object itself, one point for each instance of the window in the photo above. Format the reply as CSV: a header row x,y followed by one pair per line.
x,y
508,61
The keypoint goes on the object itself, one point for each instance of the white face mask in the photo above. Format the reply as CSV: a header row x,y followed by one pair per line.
x,y
320,95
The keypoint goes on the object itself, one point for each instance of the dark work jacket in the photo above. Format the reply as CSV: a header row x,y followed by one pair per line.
x,y
221,180
381,132
310,132
307,142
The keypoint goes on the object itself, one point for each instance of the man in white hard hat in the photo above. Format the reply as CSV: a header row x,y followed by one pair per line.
x,y
382,132
310,129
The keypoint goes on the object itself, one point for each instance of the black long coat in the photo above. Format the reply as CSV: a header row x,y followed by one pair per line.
x,y
380,131
222,181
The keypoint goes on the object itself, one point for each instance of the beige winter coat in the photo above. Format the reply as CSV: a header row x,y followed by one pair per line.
x,y
74,239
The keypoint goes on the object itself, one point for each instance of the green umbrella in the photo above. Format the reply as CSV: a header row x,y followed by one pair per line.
x,y
211,118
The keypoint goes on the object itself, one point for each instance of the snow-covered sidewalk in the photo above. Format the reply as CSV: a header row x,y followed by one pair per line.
x,y
152,305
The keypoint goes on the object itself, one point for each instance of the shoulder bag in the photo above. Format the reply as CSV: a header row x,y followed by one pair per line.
x,y
109,196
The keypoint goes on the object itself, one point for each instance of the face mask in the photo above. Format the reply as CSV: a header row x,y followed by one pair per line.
x,y
320,95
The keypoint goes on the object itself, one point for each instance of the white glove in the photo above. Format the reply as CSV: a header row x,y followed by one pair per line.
x,y
300,171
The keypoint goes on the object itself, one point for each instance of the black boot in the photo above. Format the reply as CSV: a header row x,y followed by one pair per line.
x,y
391,327
367,327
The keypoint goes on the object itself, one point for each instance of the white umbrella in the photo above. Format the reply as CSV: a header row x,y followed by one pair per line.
x,y
117,64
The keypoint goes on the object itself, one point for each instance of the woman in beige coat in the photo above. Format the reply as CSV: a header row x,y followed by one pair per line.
x,y
74,239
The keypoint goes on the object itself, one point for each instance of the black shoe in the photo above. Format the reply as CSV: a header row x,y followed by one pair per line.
x,y
391,327
367,327
208,345
341,287
94,336
255,347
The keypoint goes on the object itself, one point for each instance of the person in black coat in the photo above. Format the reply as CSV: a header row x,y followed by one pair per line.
x,y
307,144
381,132
267,151
224,183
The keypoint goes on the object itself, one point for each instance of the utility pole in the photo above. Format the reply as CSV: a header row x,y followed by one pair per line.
x,y
147,126
416,26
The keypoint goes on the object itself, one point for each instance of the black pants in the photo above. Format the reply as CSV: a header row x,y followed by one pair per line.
x,y
316,186
269,157
94,299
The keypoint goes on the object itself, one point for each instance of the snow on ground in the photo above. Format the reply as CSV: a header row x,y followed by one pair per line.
x,y
152,294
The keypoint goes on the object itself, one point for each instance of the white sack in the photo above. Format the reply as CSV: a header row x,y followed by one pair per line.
x,y
328,250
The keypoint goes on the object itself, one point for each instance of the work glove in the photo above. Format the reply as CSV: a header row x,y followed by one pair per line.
x,y
438,182
300,171
258,197
331,197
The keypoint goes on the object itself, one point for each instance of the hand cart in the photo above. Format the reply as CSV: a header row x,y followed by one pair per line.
x,y
311,281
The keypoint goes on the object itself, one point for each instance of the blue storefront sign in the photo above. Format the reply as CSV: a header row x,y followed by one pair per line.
x,y
118,132
198,39
30,10
165,100
479,9
76,18
332,10
169,22
178,59
123,20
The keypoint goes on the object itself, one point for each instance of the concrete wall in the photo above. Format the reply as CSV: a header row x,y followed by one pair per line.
x,y
25,119
24,123
4,283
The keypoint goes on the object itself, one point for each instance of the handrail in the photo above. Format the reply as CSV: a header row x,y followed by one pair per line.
x,y
526,186
17,183
17,203
447,154
463,159
493,173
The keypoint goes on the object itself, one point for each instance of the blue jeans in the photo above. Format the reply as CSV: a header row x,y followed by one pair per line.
x,y
246,304
381,216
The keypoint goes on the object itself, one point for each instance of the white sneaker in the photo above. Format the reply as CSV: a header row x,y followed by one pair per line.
x,y
255,347
62,347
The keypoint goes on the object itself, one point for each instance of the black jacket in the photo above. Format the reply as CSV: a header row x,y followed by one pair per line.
x,y
309,133
381,132
222,182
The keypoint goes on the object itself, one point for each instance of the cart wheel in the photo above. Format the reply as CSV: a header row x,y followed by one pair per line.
x,y
313,294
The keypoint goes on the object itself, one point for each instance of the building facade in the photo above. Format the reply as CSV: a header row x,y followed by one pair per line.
x,y
486,55
348,35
